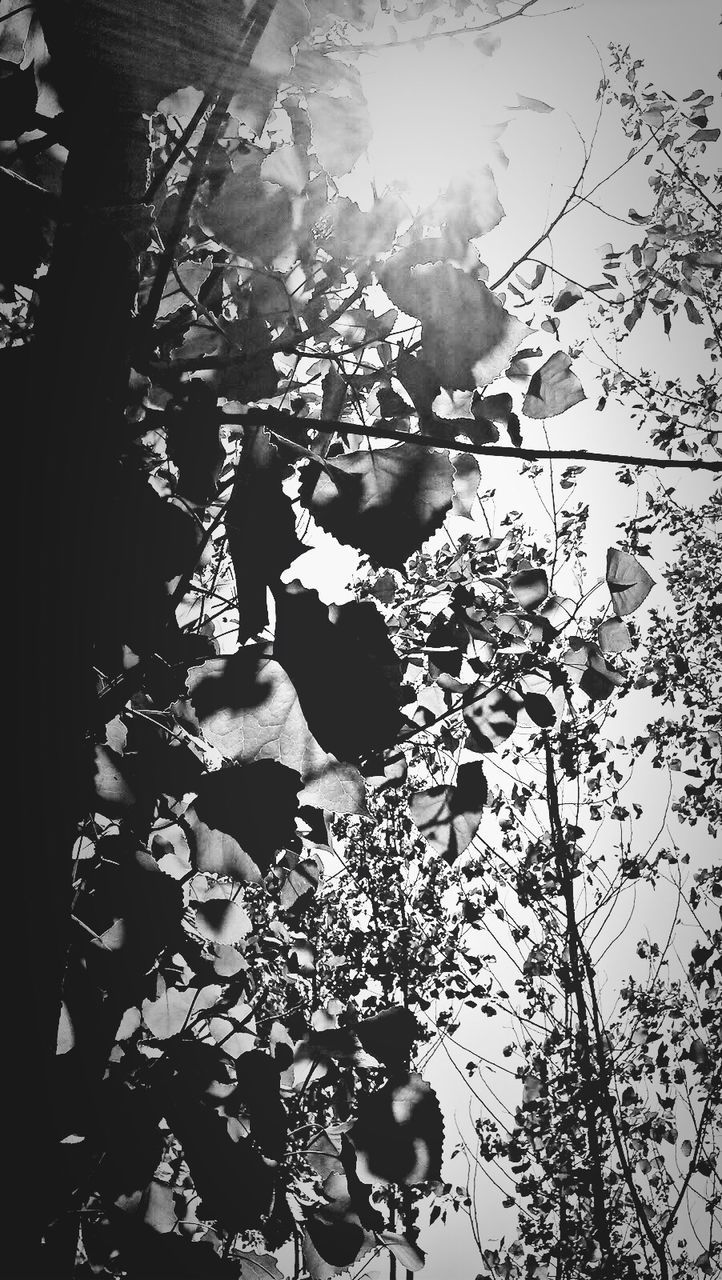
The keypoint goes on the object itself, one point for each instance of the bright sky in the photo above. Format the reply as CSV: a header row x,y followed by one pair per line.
x,y
434,111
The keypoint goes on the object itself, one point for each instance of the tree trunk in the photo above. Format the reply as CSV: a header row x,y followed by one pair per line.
x,y
71,404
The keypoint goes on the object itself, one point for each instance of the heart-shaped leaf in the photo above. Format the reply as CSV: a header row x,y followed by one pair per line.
x,y
553,389
613,636
628,581
389,1036
399,1133
468,337
448,817
319,647
492,719
247,707
241,817
530,587
386,502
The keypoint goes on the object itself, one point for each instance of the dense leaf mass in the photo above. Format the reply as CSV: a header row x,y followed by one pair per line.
x,y
347,760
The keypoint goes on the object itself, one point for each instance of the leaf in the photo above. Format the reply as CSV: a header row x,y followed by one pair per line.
x,y
135,909
567,297
114,793
386,502
448,817
126,1131
167,1016
223,921
399,1133
234,1183
258,1266
410,1257
248,709
531,104
590,671
692,312
467,477
467,336
419,380
468,208
241,817
261,528
540,710
158,1207
18,100
389,1036
530,587
704,135
345,649
251,216
193,444
498,408
553,389
340,126
613,636
628,581
492,719
686,1148
258,1092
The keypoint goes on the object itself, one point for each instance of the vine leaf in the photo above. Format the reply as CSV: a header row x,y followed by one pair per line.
x,y
247,708
448,817
467,336
241,817
319,648
553,389
386,502
399,1133
628,581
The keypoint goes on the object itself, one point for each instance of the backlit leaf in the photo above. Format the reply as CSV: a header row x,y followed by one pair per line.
x,y
613,635
386,502
467,336
248,708
448,817
553,388
628,581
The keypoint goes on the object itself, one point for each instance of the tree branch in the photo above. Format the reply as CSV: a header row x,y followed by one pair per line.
x,y
284,423
425,39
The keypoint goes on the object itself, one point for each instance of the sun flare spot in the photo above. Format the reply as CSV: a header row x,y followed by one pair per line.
x,y
433,116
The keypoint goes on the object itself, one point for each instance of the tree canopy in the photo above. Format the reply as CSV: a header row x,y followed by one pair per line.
x,y
285,846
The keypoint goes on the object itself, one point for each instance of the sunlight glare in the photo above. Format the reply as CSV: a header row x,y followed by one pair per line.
x,y
433,116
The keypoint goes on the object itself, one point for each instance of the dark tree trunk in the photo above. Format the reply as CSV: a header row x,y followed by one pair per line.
x,y
71,397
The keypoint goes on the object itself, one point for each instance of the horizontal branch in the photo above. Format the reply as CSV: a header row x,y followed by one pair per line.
x,y
444,33
284,423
